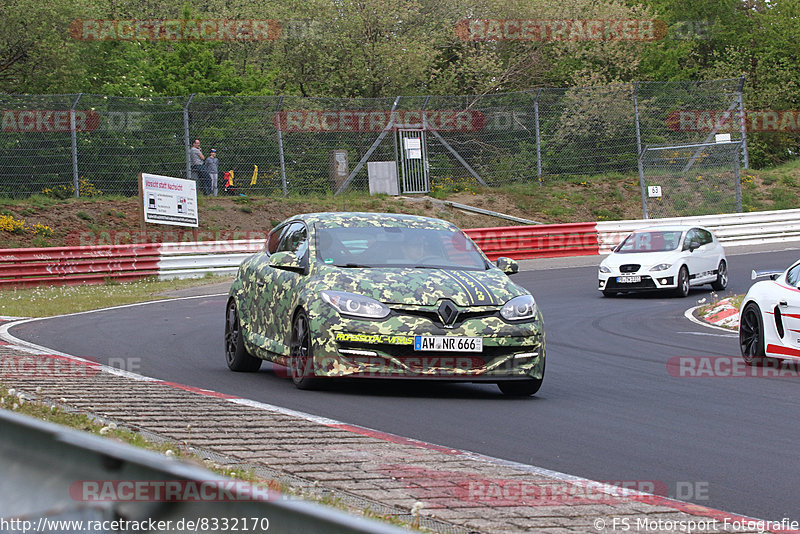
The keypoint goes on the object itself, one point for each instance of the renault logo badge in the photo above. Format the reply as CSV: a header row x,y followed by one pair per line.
x,y
448,313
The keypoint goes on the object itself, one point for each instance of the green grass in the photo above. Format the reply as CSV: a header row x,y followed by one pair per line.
x,y
57,300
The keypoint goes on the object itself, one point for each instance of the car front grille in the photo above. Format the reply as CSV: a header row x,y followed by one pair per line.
x,y
645,283
629,268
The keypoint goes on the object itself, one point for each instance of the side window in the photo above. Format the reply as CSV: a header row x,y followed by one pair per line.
x,y
273,239
294,239
793,276
705,237
691,237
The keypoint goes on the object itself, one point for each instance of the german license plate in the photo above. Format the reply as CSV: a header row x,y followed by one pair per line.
x,y
628,279
449,343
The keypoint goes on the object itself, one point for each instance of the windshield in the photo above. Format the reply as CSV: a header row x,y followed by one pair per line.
x,y
393,246
656,241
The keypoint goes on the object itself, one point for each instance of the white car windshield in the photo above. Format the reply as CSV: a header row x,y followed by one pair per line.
x,y
394,246
653,241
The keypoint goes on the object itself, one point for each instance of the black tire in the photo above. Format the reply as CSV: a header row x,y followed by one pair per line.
x,y
522,388
683,283
301,356
609,293
236,354
751,334
722,277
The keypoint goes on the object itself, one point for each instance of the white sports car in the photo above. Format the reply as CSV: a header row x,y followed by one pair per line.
x,y
664,258
769,320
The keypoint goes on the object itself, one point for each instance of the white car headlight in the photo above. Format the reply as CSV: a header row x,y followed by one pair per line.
x,y
356,305
519,308
604,269
661,267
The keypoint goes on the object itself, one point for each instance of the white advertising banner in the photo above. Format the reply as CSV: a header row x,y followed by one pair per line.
x,y
169,200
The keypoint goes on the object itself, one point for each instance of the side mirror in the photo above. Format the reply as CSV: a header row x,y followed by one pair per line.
x,y
507,265
288,261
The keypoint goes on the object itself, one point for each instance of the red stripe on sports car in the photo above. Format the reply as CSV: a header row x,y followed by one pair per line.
x,y
784,351
790,288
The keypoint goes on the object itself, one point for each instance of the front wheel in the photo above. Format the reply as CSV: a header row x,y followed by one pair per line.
x,y
236,355
301,357
683,283
722,277
751,334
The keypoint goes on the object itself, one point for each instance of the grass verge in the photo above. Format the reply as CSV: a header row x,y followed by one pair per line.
x,y
58,300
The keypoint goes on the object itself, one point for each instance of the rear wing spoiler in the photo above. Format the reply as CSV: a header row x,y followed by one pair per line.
x,y
772,274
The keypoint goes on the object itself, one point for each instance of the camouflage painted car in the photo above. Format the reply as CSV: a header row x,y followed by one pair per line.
x,y
383,296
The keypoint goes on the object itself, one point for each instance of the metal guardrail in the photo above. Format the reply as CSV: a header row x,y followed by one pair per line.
x,y
31,267
44,466
732,230
96,264
541,241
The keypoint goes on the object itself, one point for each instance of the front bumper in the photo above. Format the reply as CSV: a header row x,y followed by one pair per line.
x,y
349,347
651,281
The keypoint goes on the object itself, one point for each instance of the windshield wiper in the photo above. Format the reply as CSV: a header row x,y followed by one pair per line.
x,y
355,266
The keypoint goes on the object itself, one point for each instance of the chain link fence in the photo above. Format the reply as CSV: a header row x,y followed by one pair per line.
x,y
79,145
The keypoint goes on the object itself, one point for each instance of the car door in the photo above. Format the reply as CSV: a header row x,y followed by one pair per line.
x,y
260,311
788,308
284,284
708,255
692,255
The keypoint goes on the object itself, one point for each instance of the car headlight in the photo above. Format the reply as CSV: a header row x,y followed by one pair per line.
x,y
604,269
519,308
661,267
357,305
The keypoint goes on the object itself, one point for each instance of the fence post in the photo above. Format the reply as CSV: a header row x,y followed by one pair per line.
x,y
186,142
284,188
74,139
738,175
538,140
743,125
639,148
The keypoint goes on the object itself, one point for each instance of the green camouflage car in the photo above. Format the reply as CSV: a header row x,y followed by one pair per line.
x,y
383,296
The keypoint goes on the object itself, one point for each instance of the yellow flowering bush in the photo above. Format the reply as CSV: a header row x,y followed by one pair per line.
x,y
41,230
85,189
11,225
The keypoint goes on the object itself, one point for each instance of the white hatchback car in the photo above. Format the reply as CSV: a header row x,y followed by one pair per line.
x,y
664,258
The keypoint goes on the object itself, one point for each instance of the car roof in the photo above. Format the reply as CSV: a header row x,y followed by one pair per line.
x,y
352,218
671,228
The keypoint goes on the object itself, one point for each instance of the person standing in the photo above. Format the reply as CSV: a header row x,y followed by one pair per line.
x,y
197,159
212,169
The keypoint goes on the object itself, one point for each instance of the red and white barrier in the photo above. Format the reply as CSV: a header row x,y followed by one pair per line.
x,y
95,264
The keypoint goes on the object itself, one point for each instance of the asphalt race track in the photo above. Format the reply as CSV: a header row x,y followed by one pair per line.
x,y
609,409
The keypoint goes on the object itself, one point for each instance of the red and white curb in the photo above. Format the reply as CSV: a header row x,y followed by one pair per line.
x,y
723,315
